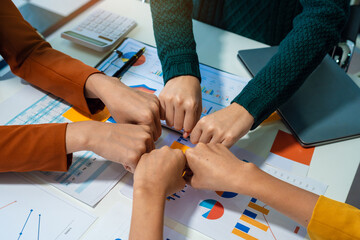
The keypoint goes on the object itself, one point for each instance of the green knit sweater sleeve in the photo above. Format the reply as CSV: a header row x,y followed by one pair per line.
x,y
315,31
174,37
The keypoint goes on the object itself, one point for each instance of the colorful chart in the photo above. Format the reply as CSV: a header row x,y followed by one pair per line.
x,y
216,209
128,55
144,88
211,92
158,73
206,111
111,119
285,145
226,194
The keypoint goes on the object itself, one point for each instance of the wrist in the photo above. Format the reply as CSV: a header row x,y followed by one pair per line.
x,y
76,139
146,190
97,85
241,111
249,172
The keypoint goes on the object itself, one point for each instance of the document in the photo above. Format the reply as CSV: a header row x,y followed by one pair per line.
x,y
90,177
116,225
28,211
287,154
228,215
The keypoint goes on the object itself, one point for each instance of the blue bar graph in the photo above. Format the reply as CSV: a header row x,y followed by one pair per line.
x,y
250,214
242,227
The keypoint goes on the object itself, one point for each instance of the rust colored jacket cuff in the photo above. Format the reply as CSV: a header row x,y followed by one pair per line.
x,y
34,147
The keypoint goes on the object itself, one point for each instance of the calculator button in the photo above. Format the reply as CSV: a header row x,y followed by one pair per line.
x,y
105,38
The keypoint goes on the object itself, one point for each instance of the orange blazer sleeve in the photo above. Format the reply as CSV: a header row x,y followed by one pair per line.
x,y
33,59
33,147
38,147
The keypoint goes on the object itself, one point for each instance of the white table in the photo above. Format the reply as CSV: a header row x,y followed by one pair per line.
x,y
334,164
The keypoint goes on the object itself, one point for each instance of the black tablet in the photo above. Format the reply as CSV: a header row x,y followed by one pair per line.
x,y
325,109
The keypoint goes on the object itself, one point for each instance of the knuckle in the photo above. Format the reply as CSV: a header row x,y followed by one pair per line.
x,y
189,152
202,121
132,156
164,151
178,101
165,148
154,106
141,148
189,104
147,129
201,145
146,135
162,95
178,152
147,116
230,137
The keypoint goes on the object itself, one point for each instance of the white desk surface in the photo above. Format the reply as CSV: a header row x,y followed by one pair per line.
x,y
334,164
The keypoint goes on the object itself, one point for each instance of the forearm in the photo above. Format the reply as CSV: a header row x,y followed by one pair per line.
x,y
174,37
315,31
33,147
299,204
32,58
147,220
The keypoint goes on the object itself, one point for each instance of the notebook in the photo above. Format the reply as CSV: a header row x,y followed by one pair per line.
x,y
325,109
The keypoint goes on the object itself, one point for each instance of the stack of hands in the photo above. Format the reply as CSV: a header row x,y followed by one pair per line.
x,y
159,173
138,115
213,167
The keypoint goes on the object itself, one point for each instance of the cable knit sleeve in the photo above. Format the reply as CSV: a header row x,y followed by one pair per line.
x,y
174,37
315,31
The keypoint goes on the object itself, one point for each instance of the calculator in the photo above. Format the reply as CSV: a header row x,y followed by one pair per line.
x,y
101,30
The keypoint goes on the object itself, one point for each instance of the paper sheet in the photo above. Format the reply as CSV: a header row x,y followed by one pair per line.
x,y
226,215
287,154
28,211
90,177
115,225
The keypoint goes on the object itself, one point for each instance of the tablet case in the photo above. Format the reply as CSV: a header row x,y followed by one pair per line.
x,y
325,109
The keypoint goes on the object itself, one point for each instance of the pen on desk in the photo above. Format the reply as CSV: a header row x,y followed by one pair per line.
x,y
129,63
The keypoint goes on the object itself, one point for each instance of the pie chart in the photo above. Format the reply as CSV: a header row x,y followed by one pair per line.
x,y
216,209
128,55
226,194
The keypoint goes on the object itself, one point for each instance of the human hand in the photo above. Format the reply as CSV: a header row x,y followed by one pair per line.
x,y
126,105
161,171
122,143
225,126
181,103
215,168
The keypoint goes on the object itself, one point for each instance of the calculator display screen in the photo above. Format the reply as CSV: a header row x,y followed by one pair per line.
x,y
85,38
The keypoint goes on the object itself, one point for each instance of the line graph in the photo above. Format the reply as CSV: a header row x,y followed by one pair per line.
x,y
39,227
8,205
27,219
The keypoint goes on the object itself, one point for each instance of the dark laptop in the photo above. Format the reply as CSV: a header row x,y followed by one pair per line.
x,y
325,109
